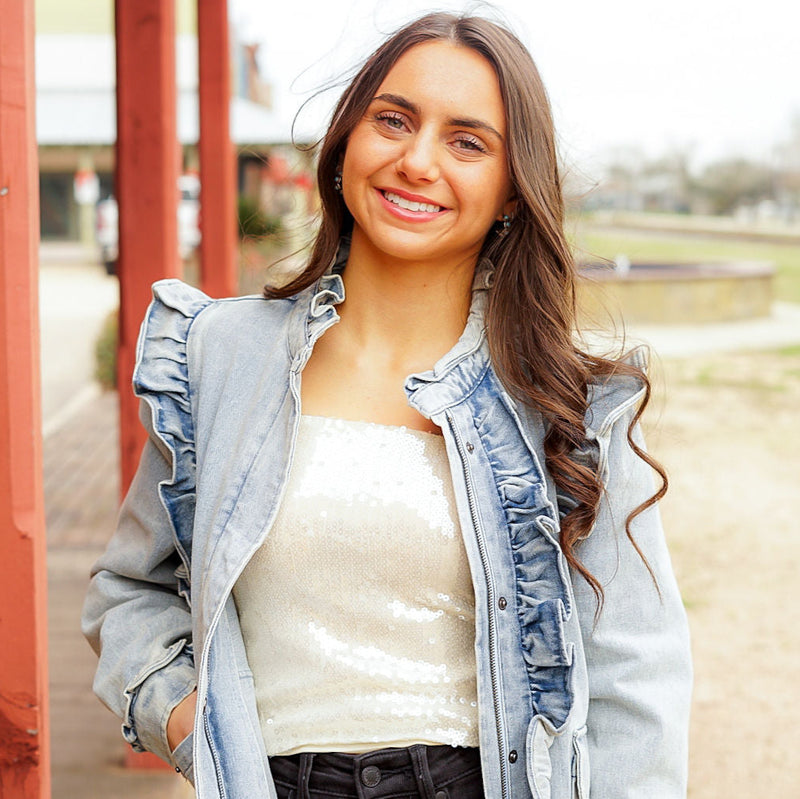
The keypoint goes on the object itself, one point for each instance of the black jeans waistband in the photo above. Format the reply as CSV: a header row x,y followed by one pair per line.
x,y
415,772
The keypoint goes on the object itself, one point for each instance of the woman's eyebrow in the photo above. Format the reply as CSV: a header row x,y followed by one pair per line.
x,y
399,100
475,124
456,122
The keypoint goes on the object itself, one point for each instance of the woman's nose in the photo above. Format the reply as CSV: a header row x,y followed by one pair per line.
x,y
419,160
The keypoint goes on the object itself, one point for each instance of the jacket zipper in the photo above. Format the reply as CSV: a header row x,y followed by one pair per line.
x,y
214,756
490,592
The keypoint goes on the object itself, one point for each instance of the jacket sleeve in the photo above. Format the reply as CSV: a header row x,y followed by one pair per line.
x,y
136,614
637,650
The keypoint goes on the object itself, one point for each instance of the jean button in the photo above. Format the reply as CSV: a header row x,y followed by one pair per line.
x,y
440,795
371,776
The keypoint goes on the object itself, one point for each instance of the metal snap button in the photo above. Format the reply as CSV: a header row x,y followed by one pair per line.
x,y
470,446
371,776
501,603
512,756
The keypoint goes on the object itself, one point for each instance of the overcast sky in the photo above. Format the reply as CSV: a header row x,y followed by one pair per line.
x,y
713,77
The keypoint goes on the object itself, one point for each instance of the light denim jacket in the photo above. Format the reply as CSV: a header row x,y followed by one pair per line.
x,y
559,694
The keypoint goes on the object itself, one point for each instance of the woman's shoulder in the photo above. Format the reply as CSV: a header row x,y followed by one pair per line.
x,y
185,329
612,395
175,296
189,313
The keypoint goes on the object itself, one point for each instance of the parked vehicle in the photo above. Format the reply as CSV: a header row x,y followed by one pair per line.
x,y
107,223
188,215
107,233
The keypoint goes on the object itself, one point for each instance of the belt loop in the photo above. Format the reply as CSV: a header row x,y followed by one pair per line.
x,y
304,775
422,774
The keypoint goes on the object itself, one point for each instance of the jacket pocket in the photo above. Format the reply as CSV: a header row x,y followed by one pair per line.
x,y
540,770
580,765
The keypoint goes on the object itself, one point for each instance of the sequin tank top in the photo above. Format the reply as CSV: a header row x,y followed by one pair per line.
x,y
357,612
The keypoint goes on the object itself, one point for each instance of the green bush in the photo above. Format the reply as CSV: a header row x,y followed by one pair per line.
x,y
105,353
253,222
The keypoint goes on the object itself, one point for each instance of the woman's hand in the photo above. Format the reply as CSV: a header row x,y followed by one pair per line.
x,y
181,720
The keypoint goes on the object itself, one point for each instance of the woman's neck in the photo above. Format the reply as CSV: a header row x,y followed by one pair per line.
x,y
411,312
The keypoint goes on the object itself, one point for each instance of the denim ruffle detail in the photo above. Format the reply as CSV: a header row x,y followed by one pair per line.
x,y
161,379
329,292
543,607
543,597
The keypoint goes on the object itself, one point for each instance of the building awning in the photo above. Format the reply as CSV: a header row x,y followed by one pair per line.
x,y
87,117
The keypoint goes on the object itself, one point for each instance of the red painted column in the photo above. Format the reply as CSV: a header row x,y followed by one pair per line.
x,y
146,186
24,717
219,274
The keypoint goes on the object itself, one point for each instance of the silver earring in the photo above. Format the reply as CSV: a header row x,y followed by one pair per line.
x,y
506,220
337,182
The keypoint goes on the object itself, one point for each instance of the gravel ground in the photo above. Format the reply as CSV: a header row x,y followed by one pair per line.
x,y
726,427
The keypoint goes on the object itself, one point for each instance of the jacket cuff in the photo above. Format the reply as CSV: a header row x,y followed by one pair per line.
x,y
152,696
182,758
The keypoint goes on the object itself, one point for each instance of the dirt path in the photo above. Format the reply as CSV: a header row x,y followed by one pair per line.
x,y
727,428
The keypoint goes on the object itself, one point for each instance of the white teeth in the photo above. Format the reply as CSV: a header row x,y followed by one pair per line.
x,y
410,205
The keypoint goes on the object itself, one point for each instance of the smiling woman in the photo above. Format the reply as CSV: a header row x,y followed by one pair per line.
x,y
394,535
423,176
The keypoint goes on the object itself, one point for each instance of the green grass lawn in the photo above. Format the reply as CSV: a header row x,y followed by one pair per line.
x,y
592,243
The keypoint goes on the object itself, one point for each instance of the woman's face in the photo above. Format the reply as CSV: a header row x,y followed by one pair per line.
x,y
425,172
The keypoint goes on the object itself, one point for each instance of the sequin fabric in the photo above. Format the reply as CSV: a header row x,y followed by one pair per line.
x,y
357,612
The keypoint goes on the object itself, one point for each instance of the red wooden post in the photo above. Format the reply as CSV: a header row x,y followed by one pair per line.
x,y
219,275
146,186
24,717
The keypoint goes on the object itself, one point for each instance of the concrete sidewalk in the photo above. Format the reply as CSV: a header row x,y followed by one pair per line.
x,y
81,497
780,329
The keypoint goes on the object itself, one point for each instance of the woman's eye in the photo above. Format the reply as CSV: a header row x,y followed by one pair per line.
x,y
470,144
391,120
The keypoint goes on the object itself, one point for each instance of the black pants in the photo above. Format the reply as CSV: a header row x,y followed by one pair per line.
x,y
418,772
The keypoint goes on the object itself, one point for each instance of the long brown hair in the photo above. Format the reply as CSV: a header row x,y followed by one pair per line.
x,y
530,317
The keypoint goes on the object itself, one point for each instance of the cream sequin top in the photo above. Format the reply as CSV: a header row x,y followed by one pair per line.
x,y
357,612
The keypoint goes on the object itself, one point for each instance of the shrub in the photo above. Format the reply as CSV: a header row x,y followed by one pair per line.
x,y
105,353
253,222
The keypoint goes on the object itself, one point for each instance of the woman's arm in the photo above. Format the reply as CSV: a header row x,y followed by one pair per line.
x,y
637,650
133,616
137,615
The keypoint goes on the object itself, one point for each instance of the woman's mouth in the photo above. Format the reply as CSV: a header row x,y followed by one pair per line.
x,y
411,205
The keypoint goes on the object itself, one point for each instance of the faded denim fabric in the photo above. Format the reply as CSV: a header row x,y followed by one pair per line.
x,y
567,707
